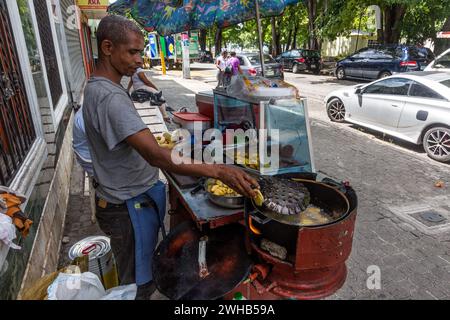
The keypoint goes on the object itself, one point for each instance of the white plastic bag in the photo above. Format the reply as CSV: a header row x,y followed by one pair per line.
x,y
127,292
8,232
76,286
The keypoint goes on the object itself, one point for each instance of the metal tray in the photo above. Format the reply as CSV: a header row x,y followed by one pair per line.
x,y
231,202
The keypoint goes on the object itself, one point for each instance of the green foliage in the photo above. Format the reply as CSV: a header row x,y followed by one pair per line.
x,y
423,20
27,27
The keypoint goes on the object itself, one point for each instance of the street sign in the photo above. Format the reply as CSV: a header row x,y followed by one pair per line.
x,y
93,4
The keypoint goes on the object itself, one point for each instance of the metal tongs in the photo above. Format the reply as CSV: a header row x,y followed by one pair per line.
x,y
202,257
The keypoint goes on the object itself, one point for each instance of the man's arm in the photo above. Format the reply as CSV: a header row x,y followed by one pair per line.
x,y
146,80
218,64
145,143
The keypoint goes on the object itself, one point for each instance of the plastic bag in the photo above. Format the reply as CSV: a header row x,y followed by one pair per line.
x,y
127,292
76,286
38,290
8,232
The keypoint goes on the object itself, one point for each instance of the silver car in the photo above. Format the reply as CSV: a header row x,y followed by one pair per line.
x,y
412,106
250,64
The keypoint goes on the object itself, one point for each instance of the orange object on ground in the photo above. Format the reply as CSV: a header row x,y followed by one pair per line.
x,y
13,210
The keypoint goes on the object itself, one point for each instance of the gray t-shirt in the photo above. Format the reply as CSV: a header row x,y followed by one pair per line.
x,y
137,82
110,117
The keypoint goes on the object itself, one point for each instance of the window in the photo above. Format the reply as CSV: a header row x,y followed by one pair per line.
x,y
254,59
393,86
285,54
365,53
383,54
33,53
241,61
295,54
17,133
446,83
418,53
51,64
311,53
443,62
419,90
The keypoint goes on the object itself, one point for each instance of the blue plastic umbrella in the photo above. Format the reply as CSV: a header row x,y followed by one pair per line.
x,y
174,16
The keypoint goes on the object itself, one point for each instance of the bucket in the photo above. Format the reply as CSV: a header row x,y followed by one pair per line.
x,y
101,258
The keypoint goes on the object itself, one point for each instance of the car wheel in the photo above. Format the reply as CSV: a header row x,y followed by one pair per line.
x,y
436,143
295,68
384,74
336,110
340,73
316,71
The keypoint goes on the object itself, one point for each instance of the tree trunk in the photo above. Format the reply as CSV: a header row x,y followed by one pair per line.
x,y
218,41
393,16
294,39
202,39
275,40
209,41
312,15
264,27
288,40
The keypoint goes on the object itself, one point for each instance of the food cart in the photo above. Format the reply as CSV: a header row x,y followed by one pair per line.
x,y
227,246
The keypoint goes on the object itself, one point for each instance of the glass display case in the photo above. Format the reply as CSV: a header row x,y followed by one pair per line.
x,y
275,135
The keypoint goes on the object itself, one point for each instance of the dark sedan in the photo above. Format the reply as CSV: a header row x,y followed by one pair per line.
x,y
300,60
383,61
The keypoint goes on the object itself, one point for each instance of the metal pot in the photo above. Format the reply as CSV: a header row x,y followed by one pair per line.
x,y
231,202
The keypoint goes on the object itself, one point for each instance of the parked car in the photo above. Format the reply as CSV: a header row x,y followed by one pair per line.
x,y
411,106
251,65
206,56
383,61
441,63
300,60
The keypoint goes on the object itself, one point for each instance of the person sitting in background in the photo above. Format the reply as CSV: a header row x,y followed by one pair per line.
x,y
80,147
140,81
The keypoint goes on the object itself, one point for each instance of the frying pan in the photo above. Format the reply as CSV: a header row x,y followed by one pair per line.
x,y
324,196
176,267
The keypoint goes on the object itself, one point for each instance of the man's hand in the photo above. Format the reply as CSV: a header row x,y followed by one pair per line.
x,y
237,179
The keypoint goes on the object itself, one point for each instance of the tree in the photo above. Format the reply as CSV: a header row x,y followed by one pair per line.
x,y
202,39
218,41
275,45
312,7
424,20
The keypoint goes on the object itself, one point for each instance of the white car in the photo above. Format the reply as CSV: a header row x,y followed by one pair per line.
x,y
441,63
412,106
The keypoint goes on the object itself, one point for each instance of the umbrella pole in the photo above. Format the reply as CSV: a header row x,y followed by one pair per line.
x,y
258,23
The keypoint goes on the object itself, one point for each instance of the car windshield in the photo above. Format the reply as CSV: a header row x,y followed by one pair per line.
x,y
443,61
254,59
311,54
416,53
446,83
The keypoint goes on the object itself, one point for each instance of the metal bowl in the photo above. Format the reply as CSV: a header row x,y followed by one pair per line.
x,y
230,202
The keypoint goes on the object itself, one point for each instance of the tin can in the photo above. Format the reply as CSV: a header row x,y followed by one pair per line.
x,y
101,258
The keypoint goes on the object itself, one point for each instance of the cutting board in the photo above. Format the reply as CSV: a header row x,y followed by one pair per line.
x,y
185,182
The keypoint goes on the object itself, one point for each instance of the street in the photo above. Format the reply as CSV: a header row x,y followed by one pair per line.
x,y
397,253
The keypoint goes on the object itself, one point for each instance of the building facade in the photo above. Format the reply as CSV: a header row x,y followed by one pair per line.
x,y
42,75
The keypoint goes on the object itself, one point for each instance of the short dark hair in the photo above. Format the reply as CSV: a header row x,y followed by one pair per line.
x,y
232,53
116,29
